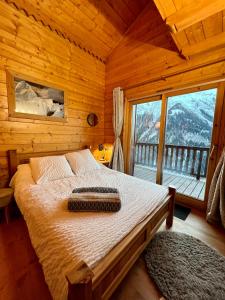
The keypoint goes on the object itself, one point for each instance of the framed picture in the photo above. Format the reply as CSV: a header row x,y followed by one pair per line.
x,y
34,99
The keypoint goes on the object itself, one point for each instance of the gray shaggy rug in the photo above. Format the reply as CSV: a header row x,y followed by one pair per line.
x,y
184,268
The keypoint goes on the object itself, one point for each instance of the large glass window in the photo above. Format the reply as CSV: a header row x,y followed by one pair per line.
x,y
187,141
147,125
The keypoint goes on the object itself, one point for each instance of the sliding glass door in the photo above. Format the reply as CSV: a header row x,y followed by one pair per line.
x,y
146,138
188,136
175,137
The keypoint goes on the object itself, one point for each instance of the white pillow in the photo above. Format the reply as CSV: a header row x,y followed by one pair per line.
x,y
49,168
22,176
82,162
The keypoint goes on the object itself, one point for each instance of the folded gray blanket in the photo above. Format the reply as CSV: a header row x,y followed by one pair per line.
x,y
94,199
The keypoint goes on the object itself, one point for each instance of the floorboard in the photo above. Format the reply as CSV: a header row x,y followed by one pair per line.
x,y
190,189
184,186
21,275
197,190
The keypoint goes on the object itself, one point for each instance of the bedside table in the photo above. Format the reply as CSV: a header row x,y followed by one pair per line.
x,y
104,162
6,196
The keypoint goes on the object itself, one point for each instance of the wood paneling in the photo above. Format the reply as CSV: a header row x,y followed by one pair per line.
x,y
95,25
146,61
204,45
29,48
180,15
197,26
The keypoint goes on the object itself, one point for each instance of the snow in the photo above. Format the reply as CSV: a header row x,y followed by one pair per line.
x,y
33,100
189,119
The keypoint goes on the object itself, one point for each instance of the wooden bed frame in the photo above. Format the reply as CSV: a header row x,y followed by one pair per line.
x,y
100,282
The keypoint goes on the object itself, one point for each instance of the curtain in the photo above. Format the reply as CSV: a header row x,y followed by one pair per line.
x,y
117,161
216,201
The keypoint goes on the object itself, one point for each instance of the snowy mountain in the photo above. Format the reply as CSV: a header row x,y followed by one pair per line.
x,y
189,119
35,99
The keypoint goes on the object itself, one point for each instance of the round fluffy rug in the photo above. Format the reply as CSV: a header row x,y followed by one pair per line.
x,y
184,268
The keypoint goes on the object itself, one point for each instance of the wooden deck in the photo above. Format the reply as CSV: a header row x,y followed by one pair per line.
x,y
186,185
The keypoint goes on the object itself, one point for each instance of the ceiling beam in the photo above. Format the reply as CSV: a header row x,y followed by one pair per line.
x,y
165,7
194,12
174,38
206,45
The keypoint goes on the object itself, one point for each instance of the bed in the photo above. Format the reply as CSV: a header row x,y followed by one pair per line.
x,y
85,256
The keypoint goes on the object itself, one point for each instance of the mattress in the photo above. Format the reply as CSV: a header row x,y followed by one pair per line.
x,y
62,238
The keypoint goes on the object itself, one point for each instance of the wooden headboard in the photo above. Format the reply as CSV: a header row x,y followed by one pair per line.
x,y
16,158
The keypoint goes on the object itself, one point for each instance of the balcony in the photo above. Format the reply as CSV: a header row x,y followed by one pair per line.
x,y
183,166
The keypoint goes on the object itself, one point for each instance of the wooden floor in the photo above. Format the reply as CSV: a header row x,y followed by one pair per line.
x,y
186,185
21,276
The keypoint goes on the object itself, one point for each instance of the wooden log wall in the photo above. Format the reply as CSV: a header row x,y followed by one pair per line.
x,y
29,48
147,61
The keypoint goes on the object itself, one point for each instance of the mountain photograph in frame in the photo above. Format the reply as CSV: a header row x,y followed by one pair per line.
x,y
33,99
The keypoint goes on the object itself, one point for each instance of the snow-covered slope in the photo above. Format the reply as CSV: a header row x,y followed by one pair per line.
x,y
33,100
189,119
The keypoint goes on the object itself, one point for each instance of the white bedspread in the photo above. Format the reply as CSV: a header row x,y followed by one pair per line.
x,y
62,238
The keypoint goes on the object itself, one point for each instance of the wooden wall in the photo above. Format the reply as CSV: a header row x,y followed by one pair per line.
x,y
29,48
147,53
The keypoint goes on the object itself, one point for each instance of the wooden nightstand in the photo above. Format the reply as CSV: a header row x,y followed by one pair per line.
x,y
6,196
104,162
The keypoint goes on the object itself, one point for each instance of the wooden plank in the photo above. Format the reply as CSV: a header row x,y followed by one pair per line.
x,y
194,12
185,185
180,182
122,11
197,32
165,8
168,178
213,25
161,139
201,195
176,181
205,45
181,38
136,6
191,187
223,20
144,173
198,189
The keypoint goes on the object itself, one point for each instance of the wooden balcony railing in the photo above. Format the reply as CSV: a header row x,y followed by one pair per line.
x,y
192,161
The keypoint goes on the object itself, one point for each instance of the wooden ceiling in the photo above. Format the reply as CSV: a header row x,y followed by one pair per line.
x,y
196,26
96,25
